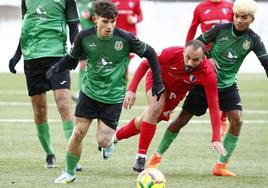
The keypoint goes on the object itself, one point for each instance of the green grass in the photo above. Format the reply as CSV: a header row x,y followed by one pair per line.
x,y
186,164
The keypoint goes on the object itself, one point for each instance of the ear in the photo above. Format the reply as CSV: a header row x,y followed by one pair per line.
x,y
94,18
253,18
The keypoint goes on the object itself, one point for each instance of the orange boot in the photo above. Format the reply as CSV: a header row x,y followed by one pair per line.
x,y
154,161
221,170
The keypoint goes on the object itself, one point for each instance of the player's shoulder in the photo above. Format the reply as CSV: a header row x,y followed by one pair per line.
x,y
172,51
86,32
253,35
123,34
222,26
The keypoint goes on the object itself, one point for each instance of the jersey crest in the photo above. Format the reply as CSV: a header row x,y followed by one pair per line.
x,y
118,45
246,45
192,78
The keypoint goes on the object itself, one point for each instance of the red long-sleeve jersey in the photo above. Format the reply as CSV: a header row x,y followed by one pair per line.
x,y
178,82
125,9
209,13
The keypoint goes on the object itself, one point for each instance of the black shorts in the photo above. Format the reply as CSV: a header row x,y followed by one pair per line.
x,y
35,72
91,109
196,101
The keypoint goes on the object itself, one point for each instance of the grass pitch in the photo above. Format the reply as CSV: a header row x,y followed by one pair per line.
x,y
187,163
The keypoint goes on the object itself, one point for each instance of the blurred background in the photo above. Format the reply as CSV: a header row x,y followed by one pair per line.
x,y
165,24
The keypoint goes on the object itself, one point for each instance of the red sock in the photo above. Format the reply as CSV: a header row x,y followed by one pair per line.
x,y
223,116
147,131
127,131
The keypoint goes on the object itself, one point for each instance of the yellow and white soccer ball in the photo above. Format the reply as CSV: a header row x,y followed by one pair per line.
x,y
151,178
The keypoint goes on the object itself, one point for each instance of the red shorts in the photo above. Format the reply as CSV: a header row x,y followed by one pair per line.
x,y
172,100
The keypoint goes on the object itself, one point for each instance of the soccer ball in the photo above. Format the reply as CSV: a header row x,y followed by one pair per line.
x,y
151,178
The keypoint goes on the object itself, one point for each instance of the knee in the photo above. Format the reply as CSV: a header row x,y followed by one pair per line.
x,y
40,111
78,135
63,105
104,142
177,124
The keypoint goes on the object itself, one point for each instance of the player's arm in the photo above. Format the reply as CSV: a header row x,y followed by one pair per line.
x,y
144,50
70,61
130,96
260,51
211,90
192,30
210,86
138,11
72,19
16,57
138,75
211,35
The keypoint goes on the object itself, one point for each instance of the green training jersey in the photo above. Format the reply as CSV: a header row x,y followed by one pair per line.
x,y
107,62
86,5
230,50
44,30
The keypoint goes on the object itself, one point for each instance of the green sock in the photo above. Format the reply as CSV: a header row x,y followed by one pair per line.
x,y
229,143
166,141
68,127
71,162
81,77
44,137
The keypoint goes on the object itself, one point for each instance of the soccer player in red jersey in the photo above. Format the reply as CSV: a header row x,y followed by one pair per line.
x,y
181,69
129,14
207,14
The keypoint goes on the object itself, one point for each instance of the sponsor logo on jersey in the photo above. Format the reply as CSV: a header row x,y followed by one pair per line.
x,y
207,11
104,64
92,45
40,13
118,45
246,45
230,56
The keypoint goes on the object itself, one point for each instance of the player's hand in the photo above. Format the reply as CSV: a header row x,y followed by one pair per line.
x,y
215,64
217,146
51,71
12,63
132,19
158,89
129,99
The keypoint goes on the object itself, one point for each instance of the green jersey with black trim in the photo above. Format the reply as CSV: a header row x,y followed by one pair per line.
x,y
44,32
230,50
107,62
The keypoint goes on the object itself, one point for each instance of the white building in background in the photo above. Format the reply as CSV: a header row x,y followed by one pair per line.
x,y
164,24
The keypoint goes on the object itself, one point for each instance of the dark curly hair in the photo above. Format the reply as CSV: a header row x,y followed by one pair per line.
x,y
105,8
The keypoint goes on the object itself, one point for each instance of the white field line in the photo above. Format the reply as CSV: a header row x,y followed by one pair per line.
x,y
125,121
23,92
4,103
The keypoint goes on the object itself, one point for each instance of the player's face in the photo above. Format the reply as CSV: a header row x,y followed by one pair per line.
x,y
105,26
242,21
192,58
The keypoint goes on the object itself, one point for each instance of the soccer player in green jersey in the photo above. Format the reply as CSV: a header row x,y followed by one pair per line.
x,y
42,44
86,11
231,43
107,49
